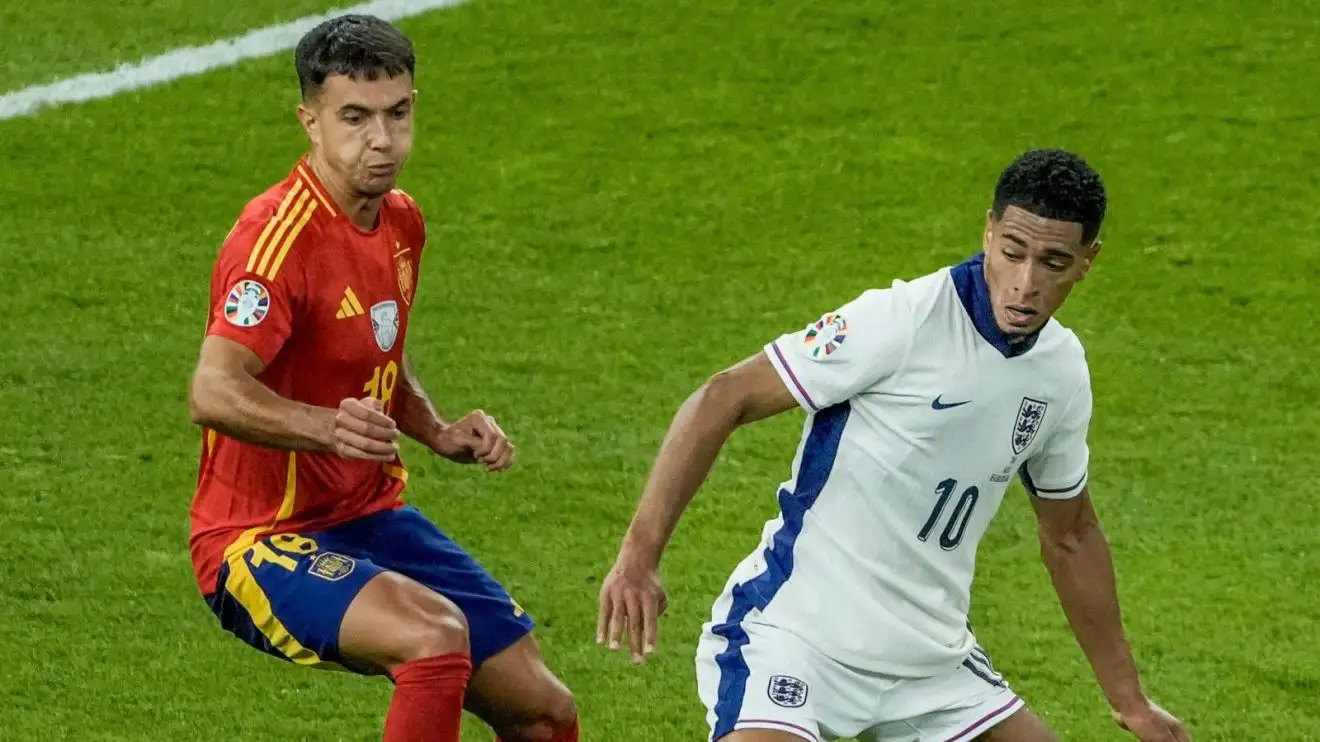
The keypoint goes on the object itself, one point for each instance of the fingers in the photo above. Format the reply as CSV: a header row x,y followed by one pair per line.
x,y
366,419
605,611
492,446
364,431
617,615
368,409
651,610
636,625
354,446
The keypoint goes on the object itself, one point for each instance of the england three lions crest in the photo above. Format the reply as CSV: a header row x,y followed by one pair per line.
x,y
385,324
1029,418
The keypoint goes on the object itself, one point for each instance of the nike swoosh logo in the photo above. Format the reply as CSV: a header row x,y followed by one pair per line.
x,y
938,405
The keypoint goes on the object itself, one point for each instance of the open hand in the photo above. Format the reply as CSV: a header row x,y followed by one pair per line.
x,y
632,599
1150,723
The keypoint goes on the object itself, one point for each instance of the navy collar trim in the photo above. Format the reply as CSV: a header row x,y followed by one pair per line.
x,y
969,282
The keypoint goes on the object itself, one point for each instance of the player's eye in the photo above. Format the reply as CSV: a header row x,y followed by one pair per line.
x,y
400,113
1013,255
353,118
1056,266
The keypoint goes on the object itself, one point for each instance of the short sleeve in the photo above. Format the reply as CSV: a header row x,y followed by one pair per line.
x,y
256,289
846,351
1059,470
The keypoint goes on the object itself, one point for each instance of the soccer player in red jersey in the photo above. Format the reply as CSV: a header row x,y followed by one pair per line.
x,y
301,543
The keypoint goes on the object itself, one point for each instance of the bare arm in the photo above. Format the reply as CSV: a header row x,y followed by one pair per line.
x,y
632,594
413,410
1076,553
745,393
226,396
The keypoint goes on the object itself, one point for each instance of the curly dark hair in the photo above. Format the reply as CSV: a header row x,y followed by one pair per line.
x,y
1054,184
356,46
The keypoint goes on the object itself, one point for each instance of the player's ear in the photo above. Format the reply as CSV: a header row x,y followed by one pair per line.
x,y
1089,254
310,123
989,229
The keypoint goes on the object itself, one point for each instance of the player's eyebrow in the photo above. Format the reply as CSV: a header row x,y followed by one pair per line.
x,y
359,108
1055,252
1016,239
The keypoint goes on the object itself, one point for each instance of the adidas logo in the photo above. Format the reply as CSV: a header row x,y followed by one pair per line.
x,y
349,306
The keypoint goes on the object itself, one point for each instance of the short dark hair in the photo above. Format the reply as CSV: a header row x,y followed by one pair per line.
x,y
1053,184
356,46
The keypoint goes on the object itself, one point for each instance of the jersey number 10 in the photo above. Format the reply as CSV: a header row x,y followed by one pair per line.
x,y
962,512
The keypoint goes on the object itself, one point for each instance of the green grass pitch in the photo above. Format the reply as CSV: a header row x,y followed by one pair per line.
x,y
624,197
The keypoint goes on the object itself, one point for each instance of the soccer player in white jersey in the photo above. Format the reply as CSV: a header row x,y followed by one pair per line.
x,y
923,400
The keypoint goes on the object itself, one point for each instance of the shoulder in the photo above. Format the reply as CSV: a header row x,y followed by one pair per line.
x,y
398,201
277,228
1064,352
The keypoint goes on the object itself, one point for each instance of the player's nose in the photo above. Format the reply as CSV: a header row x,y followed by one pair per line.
x,y
378,134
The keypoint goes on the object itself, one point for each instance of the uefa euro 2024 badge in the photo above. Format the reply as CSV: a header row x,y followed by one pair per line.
x,y
825,335
247,304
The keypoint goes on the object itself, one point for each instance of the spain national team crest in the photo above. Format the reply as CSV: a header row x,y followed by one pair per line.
x,y
787,691
404,269
825,335
247,304
331,566
385,324
1029,418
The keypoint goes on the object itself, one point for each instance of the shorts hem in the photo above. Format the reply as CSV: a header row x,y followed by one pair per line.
x,y
778,726
988,721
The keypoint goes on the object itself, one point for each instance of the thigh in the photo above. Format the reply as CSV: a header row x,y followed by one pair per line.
x,y
1022,726
287,596
404,541
955,706
755,680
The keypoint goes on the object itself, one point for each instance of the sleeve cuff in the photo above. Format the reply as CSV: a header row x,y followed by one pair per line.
x,y
1052,492
789,377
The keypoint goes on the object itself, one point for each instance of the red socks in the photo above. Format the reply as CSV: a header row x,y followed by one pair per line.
x,y
428,699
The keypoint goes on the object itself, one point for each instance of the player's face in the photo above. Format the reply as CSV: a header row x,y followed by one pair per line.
x,y
362,130
1031,264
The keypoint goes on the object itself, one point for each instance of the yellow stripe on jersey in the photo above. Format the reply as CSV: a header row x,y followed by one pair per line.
x,y
268,251
279,215
289,240
320,195
249,537
210,441
353,300
398,472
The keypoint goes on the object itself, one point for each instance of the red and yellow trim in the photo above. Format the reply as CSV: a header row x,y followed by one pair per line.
x,y
305,172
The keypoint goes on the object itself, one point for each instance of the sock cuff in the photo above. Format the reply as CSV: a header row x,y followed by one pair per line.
x,y
444,667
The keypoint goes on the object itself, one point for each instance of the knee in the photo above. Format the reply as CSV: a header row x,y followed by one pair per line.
x,y
555,716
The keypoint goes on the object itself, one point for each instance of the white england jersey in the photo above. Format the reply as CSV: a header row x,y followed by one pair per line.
x,y
920,411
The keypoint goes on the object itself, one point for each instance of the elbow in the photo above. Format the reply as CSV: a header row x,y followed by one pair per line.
x,y
722,399
203,409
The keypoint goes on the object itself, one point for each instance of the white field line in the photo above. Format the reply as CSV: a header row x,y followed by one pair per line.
x,y
195,60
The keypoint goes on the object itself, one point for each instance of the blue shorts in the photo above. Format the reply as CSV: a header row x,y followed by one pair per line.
x,y
287,594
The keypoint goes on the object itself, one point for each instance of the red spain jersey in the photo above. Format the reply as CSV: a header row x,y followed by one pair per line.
x,y
324,304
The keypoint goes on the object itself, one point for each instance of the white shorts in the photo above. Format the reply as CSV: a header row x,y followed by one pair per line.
x,y
757,676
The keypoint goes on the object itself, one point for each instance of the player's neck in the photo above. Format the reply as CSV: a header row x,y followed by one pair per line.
x,y
361,210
